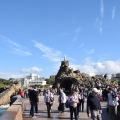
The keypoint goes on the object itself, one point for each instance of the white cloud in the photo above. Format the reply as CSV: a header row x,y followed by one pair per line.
x,y
8,74
17,49
81,45
113,12
100,29
7,40
101,8
90,52
32,69
106,67
19,74
50,53
78,30
20,52
77,33
98,24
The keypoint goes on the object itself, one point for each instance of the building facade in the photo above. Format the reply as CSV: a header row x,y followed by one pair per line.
x,y
116,76
32,79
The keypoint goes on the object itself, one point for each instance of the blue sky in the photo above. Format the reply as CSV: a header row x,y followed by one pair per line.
x,y
35,35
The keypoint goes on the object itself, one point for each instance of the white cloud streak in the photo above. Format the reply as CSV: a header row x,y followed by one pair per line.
x,y
81,45
32,69
90,52
20,52
101,8
17,49
7,40
77,33
50,53
113,12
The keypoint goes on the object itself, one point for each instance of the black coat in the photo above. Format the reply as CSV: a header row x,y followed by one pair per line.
x,y
33,96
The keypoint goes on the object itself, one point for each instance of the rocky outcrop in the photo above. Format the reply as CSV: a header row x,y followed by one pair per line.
x,y
5,96
68,78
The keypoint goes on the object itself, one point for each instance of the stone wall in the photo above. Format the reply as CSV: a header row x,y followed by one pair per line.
x,y
5,96
14,112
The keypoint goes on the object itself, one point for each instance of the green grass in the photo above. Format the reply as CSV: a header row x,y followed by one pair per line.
x,y
2,85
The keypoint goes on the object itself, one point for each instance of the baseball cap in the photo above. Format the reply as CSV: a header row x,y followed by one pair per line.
x,y
95,90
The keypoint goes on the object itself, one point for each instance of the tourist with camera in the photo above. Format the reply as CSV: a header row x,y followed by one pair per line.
x,y
112,103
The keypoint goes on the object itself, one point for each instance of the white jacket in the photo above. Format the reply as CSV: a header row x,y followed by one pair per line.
x,y
62,97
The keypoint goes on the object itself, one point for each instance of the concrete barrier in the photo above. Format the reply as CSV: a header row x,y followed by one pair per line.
x,y
14,112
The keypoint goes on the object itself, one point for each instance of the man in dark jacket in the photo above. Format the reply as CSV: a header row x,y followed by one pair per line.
x,y
34,102
94,106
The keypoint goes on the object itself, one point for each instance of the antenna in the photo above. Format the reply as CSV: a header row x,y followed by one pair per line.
x,y
64,58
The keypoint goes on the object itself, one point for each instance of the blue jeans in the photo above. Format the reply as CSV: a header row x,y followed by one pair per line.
x,y
33,108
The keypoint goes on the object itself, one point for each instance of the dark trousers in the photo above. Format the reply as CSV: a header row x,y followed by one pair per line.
x,y
62,108
73,110
48,108
78,108
34,107
82,105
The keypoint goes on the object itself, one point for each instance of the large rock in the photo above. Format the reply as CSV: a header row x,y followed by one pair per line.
x,y
68,78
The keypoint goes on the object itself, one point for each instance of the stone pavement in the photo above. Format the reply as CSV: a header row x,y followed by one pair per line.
x,y
55,115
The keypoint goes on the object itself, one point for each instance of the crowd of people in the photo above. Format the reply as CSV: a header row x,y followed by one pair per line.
x,y
75,101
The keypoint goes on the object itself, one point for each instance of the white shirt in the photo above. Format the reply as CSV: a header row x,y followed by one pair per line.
x,y
111,101
62,97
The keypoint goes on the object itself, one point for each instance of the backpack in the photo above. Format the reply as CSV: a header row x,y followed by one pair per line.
x,y
67,104
114,95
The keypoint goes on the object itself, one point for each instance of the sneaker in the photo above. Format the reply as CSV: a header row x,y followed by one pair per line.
x,y
78,116
34,117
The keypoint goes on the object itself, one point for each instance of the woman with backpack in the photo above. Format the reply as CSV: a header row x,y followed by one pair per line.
x,y
48,100
73,100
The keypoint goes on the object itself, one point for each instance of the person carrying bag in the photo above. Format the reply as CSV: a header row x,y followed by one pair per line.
x,y
61,100
48,100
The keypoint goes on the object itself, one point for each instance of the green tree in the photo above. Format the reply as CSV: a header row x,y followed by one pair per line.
x,y
50,81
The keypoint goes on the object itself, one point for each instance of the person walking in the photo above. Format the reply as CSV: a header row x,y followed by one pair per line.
x,y
112,103
73,100
94,106
78,104
82,100
21,92
62,100
48,100
33,96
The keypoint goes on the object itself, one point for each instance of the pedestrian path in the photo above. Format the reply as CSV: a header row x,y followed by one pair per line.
x,y
55,115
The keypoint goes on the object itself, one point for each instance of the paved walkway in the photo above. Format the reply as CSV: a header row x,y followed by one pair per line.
x,y
55,115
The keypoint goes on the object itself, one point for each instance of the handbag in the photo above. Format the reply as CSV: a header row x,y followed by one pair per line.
x,y
51,99
67,104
